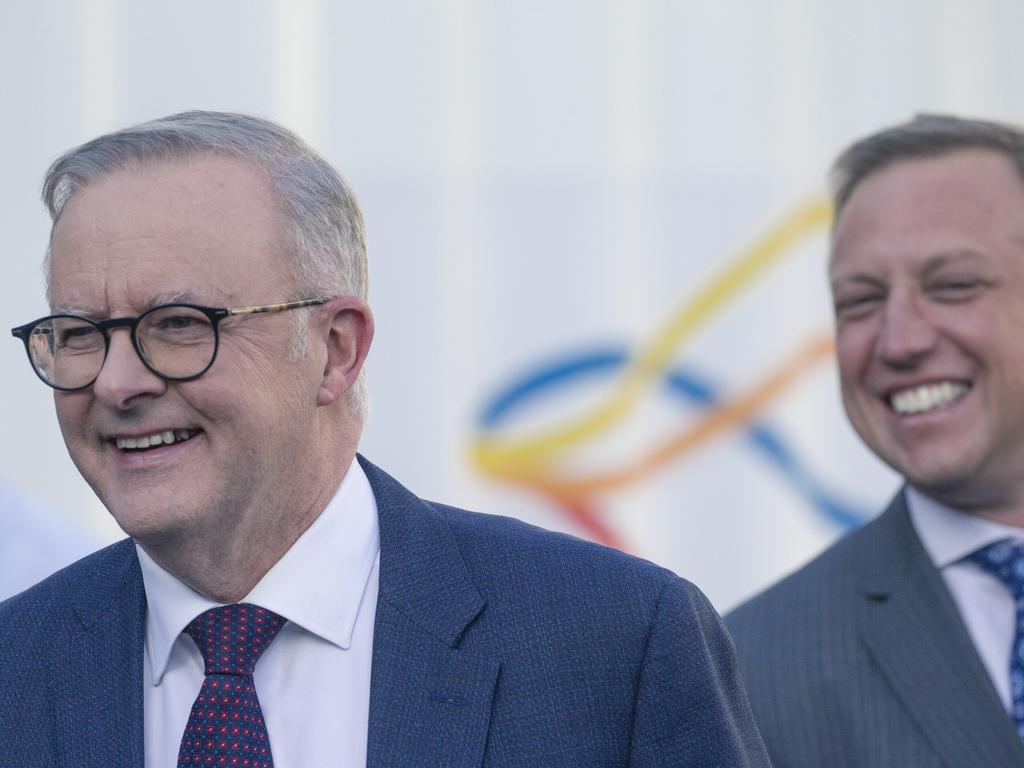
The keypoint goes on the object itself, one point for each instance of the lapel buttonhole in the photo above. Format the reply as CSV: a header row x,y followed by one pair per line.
x,y
448,698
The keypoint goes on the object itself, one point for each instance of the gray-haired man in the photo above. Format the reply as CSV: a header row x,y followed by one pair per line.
x,y
281,602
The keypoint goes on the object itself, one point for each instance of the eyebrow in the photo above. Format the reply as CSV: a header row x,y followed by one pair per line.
x,y
857,278
931,265
941,260
154,300
170,298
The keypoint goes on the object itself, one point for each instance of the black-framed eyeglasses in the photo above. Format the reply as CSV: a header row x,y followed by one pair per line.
x,y
177,342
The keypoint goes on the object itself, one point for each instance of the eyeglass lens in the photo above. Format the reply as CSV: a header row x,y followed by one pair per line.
x,y
177,342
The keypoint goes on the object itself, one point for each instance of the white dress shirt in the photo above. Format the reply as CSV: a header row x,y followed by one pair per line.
x,y
985,604
313,682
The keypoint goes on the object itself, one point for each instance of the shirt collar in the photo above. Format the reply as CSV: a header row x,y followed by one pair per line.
x,y
318,584
949,535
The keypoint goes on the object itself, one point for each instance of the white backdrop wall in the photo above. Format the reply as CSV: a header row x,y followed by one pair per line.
x,y
551,188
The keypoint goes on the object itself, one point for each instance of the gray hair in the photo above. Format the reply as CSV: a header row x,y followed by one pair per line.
x,y
325,233
924,136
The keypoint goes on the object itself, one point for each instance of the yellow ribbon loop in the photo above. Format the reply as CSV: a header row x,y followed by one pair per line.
x,y
519,458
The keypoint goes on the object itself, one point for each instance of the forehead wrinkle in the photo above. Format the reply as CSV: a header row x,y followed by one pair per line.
x,y
131,240
84,266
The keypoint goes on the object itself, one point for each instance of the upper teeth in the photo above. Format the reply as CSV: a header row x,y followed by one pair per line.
x,y
157,438
926,397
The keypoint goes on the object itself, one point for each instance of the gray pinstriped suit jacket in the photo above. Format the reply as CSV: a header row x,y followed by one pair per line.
x,y
860,660
495,644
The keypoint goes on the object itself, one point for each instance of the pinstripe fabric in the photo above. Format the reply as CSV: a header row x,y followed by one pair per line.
x,y
495,644
860,660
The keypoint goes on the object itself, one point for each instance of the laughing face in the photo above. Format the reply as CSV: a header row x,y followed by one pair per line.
x,y
927,278
206,456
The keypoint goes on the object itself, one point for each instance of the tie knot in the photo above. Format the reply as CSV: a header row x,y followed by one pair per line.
x,y
233,637
1005,561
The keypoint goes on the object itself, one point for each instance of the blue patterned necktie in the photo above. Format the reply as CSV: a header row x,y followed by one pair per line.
x,y
226,724
1005,561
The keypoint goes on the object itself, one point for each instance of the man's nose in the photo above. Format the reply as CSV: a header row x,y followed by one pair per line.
x,y
908,333
123,376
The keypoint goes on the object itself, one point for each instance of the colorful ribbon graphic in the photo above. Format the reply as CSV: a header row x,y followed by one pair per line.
x,y
538,460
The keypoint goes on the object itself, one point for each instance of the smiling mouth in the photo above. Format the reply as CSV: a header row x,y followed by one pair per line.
x,y
927,397
146,442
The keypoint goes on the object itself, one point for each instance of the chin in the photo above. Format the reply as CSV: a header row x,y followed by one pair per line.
x,y
951,483
936,462
146,523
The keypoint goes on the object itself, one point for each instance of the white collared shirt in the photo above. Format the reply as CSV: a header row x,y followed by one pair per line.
x,y
313,682
985,604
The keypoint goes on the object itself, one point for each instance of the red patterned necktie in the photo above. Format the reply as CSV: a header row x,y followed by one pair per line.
x,y
226,724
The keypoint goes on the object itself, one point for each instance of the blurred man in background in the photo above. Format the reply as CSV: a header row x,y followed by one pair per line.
x,y
282,601
903,644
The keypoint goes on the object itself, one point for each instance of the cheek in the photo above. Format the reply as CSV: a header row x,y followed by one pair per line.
x,y
853,356
1005,370
247,370
72,413
231,407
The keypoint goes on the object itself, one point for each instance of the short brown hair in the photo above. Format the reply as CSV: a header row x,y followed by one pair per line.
x,y
923,136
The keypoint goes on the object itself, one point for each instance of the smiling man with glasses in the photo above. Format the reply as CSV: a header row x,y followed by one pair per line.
x,y
281,601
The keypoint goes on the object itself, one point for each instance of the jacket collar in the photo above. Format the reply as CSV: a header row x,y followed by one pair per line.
x,y
913,631
422,573
430,701
96,688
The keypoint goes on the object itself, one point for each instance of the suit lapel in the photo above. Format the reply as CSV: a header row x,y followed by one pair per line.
x,y
430,702
914,633
96,690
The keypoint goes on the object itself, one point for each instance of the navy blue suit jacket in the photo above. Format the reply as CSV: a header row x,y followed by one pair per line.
x,y
495,644
861,660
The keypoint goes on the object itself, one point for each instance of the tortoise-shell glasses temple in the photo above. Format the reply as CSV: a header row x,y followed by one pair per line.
x,y
230,311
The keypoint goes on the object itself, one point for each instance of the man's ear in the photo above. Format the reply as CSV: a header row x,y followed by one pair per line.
x,y
347,327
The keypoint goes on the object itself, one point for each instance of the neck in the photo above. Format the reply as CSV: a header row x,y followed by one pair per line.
x,y
225,565
1006,509
1011,517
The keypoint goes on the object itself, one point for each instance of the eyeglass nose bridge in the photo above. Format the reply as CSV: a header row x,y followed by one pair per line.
x,y
113,323
117,322
132,325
